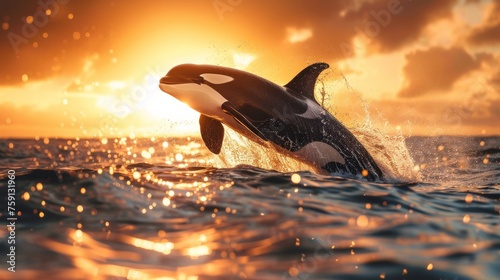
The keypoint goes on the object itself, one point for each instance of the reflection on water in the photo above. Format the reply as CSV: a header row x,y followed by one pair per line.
x,y
159,209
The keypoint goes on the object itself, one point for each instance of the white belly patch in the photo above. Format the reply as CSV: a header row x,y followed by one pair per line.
x,y
320,153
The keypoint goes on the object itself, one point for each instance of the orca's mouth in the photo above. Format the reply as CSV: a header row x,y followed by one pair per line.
x,y
174,80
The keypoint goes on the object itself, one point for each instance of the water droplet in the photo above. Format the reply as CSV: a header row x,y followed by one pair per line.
x,y
362,221
293,271
145,154
466,219
78,235
296,178
166,201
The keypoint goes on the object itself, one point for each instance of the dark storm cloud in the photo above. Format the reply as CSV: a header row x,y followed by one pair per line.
x,y
489,31
435,69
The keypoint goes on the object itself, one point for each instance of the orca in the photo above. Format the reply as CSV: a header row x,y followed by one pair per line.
x,y
287,117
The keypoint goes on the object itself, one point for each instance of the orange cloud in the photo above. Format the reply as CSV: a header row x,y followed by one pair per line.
x,y
295,35
389,25
489,31
435,69
86,45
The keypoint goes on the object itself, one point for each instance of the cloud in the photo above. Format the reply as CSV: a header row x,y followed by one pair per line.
x,y
489,30
496,78
333,25
323,31
435,69
296,35
315,31
441,116
56,42
389,25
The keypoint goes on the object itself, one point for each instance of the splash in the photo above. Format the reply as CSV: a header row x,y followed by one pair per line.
x,y
238,150
389,151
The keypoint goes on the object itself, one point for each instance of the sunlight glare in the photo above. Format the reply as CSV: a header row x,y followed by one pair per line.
x,y
160,104
115,85
242,60
199,251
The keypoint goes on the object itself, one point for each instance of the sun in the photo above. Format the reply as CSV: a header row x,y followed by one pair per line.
x,y
160,104
162,107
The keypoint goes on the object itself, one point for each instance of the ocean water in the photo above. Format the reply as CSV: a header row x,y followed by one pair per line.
x,y
165,208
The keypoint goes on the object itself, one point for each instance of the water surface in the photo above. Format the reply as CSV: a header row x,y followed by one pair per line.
x,y
167,209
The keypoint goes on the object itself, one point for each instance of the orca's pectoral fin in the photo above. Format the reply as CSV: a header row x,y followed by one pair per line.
x,y
212,133
228,108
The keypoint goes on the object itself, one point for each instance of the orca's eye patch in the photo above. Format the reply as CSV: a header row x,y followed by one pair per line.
x,y
216,79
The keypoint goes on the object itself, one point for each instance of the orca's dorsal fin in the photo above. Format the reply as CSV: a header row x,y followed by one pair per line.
x,y
304,82
212,133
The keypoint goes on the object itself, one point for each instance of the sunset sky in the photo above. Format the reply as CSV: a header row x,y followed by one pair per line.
x,y
91,68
